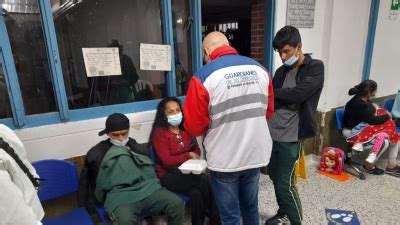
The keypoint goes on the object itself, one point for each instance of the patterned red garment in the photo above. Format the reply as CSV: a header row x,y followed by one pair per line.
x,y
171,149
368,133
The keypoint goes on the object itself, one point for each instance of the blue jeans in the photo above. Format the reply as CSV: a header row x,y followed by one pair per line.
x,y
236,194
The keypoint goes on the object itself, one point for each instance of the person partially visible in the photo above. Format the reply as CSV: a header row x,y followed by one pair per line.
x,y
181,76
174,146
120,88
19,202
5,110
227,106
364,123
297,85
123,179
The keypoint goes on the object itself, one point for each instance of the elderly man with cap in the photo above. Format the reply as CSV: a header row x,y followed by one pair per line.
x,y
118,176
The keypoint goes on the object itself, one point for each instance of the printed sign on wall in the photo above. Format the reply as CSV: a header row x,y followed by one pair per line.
x,y
300,13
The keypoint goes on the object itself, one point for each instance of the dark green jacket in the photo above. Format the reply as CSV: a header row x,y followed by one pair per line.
x,y
124,178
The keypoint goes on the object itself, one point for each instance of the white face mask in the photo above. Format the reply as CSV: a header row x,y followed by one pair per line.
x,y
292,60
119,143
175,120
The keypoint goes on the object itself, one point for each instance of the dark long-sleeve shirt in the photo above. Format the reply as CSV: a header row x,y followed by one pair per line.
x,y
306,93
357,111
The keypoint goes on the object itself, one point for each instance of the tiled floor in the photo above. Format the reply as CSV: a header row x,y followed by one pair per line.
x,y
376,200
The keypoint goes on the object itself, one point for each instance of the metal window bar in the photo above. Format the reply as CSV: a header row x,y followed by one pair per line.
x,y
169,40
10,73
54,59
197,52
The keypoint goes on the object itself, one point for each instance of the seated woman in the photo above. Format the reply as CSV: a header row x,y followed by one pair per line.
x,y
173,146
19,202
365,122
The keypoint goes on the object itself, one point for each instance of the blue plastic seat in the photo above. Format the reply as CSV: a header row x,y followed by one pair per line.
x,y
103,215
388,105
349,153
59,179
339,118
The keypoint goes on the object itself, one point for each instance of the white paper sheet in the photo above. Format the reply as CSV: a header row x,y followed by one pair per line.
x,y
101,61
155,57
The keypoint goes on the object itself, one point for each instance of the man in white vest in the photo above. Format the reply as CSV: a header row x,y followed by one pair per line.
x,y
228,103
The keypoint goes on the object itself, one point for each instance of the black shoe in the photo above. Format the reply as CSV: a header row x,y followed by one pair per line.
x,y
374,171
393,172
264,170
278,219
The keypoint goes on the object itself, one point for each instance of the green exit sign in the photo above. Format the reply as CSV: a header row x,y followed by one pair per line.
x,y
395,5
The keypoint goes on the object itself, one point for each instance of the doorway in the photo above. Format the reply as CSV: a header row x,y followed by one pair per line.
x,y
231,17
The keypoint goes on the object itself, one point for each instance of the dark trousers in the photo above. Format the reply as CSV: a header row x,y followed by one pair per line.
x,y
236,194
161,202
281,171
197,188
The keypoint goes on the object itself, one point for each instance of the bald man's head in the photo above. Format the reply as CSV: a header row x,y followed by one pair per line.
x,y
212,41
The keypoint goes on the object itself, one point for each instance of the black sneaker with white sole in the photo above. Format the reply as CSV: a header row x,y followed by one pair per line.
x,y
374,171
278,219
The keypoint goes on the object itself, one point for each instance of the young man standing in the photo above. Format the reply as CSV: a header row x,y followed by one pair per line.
x,y
297,88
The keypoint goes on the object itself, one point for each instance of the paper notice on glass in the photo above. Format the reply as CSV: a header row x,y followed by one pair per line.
x,y
101,61
155,57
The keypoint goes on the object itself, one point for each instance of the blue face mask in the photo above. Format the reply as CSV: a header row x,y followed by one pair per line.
x,y
119,143
175,120
291,61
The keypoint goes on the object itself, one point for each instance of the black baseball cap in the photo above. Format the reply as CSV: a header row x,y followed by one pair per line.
x,y
115,122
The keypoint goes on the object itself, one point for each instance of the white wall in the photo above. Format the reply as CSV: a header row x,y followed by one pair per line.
x,y
346,50
66,140
385,68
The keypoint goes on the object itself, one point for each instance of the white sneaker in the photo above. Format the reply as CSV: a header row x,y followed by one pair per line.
x,y
371,158
358,147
